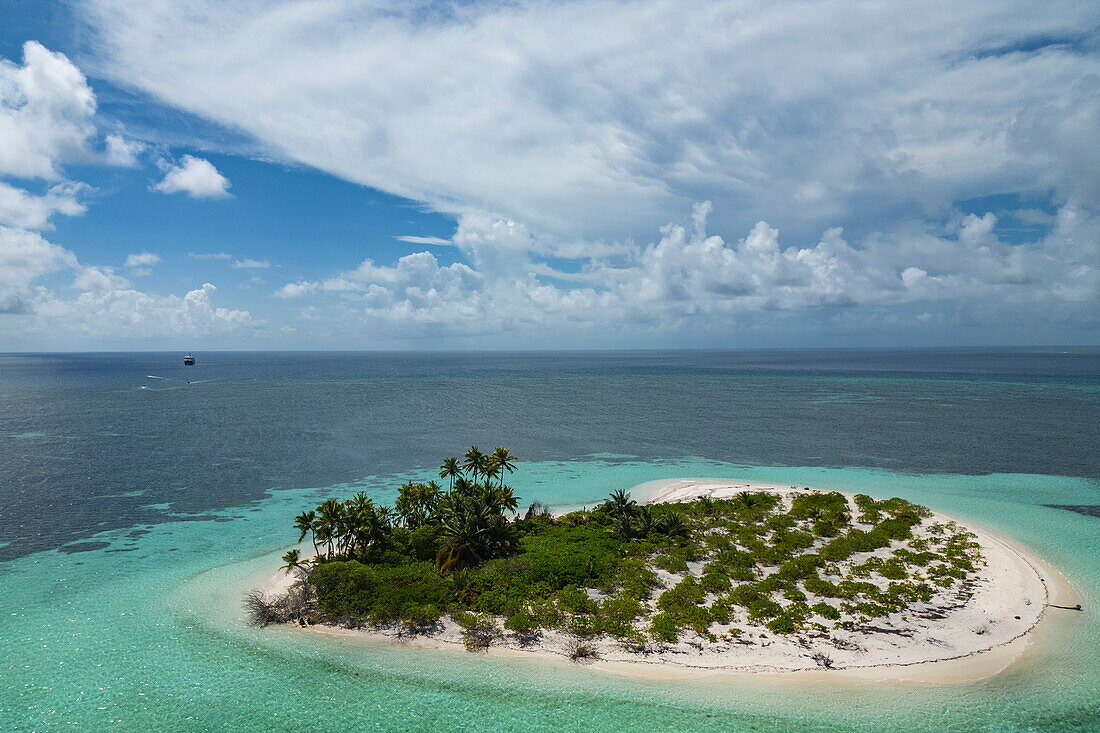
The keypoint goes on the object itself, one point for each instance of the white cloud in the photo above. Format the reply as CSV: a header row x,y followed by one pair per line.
x,y
143,259
99,280
210,255
604,119
250,264
18,208
121,313
105,304
25,256
439,241
691,280
295,290
197,177
46,110
122,152
47,120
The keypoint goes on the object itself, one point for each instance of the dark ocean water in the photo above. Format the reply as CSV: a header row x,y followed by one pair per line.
x,y
83,448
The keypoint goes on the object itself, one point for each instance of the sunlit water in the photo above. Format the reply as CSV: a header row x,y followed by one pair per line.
x,y
130,619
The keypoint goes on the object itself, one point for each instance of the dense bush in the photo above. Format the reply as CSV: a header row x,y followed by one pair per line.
x,y
469,553
378,593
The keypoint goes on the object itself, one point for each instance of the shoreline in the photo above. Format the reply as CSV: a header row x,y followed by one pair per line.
x,y
999,652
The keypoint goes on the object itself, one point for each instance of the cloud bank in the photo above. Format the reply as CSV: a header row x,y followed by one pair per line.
x,y
607,119
689,279
48,120
645,172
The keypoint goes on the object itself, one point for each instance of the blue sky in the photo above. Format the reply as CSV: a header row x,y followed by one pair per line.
x,y
344,174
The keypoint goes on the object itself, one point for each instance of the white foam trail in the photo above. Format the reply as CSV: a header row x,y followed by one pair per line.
x,y
153,376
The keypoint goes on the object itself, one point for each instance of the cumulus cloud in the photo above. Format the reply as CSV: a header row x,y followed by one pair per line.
x,y
295,290
141,264
144,259
123,152
197,177
689,278
804,115
250,264
46,110
19,208
47,120
125,313
237,263
835,140
105,304
25,256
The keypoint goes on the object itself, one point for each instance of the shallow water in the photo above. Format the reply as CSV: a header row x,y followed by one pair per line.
x,y
128,618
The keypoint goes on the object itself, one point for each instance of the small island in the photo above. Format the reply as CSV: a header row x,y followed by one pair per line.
x,y
705,574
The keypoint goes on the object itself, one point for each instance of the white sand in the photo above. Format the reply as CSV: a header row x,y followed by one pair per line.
x,y
978,636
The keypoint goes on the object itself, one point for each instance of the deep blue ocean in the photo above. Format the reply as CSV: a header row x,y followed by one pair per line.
x,y
129,483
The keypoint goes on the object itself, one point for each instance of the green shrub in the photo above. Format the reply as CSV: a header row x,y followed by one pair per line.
x,y
583,626
794,594
523,624
377,594
540,571
869,512
764,608
671,562
575,600
745,594
422,543
782,624
715,582
893,570
721,612
820,587
663,628
617,615
568,556
896,529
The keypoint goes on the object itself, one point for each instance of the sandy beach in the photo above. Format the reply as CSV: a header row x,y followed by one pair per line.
x,y
956,637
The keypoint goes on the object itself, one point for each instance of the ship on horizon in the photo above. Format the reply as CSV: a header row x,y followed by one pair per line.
x,y
188,360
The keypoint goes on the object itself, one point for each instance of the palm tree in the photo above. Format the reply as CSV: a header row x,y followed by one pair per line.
x,y
505,499
331,525
504,460
492,469
451,469
369,526
416,503
621,504
624,526
475,461
463,486
465,524
306,523
473,530
672,525
293,560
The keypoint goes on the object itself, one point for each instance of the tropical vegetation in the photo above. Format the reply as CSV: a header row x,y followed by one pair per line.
x,y
643,576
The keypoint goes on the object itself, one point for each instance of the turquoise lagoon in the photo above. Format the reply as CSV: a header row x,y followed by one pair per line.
x,y
143,632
